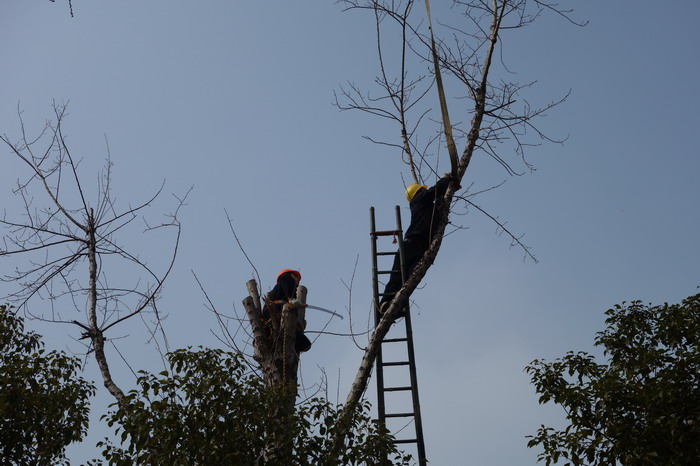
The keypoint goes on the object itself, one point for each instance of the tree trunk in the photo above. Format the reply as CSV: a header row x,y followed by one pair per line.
x,y
274,341
274,350
95,333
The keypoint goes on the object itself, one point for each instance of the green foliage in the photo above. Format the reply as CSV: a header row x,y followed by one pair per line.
x,y
210,408
43,403
642,406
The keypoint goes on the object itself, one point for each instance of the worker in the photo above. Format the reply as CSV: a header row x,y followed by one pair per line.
x,y
424,203
284,291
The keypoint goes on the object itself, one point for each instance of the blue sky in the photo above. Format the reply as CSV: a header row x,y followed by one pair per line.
x,y
235,99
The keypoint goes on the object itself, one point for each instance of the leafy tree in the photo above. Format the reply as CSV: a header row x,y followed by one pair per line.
x,y
493,113
43,402
210,408
641,406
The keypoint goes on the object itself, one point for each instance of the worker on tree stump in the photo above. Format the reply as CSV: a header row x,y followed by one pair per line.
x,y
284,291
424,203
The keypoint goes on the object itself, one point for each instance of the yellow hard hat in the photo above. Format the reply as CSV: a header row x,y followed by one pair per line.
x,y
412,189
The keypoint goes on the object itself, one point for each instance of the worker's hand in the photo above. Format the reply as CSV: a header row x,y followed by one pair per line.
x,y
455,179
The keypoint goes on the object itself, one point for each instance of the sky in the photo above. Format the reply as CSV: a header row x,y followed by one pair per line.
x,y
235,100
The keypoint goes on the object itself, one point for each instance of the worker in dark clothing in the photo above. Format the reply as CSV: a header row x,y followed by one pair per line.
x,y
424,202
285,290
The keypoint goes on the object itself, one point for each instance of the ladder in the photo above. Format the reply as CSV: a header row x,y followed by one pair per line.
x,y
400,344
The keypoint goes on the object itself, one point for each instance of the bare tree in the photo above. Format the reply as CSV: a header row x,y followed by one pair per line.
x,y
70,6
68,243
493,118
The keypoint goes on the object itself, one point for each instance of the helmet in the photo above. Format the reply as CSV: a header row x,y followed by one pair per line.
x,y
293,272
412,189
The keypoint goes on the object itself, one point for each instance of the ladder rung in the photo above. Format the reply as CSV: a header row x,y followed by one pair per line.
x,y
397,363
394,340
405,441
392,253
385,272
400,415
386,233
397,389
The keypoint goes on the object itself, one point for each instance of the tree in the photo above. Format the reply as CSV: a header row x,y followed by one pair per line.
x,y
44,403
209,407
274,351
495,117
70,7
274,343
69,244
641,406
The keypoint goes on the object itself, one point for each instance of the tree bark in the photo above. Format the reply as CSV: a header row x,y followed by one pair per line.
x,y
260,340
274,350
274,343
95,333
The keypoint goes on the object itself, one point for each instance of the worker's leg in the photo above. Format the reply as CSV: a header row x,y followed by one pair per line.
x,y
394,283
412,255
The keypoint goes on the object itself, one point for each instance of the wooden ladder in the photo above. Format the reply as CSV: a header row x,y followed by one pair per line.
x,y
404,342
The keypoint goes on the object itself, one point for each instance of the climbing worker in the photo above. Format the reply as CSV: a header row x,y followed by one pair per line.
x,y
285,290
423,202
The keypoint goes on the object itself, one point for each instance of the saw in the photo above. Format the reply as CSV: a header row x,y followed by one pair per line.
x,y
308,306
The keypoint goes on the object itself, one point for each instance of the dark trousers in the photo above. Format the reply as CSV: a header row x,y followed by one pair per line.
x,y
412,253
302,342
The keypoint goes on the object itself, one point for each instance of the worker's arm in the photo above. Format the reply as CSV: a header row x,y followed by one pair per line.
x,y
439,188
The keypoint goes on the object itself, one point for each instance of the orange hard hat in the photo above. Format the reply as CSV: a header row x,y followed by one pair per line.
x,y
294,272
